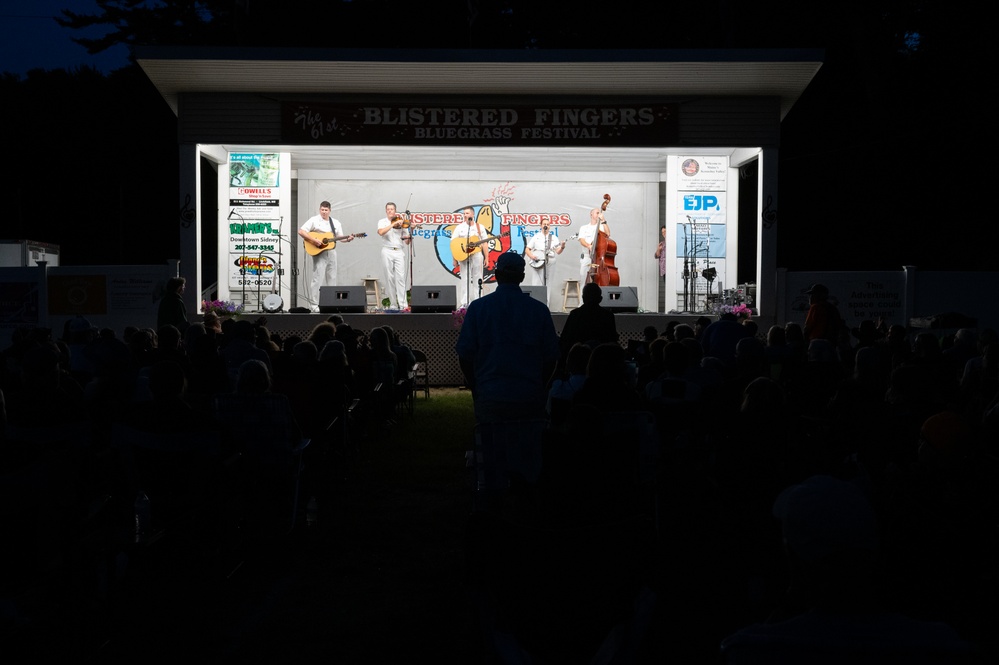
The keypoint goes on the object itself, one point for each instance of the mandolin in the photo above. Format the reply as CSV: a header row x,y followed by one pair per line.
x,y
329,241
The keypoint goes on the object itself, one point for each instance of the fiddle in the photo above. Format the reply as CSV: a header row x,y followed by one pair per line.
x,y
400,222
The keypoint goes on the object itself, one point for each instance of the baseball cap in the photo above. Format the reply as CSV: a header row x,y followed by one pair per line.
x,y
818,289
510,262
824,516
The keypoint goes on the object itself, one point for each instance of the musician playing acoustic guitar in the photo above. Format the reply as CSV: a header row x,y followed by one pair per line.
x,y
323,262
470,269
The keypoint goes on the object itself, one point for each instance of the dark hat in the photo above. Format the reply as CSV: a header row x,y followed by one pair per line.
x,y
824,515
818,290
510,262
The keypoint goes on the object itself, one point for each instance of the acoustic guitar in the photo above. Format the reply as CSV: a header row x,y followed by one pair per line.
x,y
462,248
537,263
329,241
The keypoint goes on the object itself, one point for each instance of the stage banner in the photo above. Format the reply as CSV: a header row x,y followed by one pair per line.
x,y
251,233
701,228
474,122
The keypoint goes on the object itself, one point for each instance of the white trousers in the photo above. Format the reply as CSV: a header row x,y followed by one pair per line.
x,y
584,269
394,269
538,279
323,273
471,273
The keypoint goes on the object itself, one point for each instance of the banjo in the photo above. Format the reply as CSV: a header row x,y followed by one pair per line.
x,y
537,263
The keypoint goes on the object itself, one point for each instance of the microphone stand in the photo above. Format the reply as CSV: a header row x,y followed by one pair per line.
x,y
280,265
468,278
242,255
412,257
544,268
260,277
686,270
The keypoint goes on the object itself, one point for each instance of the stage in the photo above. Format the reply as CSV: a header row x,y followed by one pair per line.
x,y
436,334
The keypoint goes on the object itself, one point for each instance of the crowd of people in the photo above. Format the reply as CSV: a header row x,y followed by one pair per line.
x,y
898,425
220,434
887,552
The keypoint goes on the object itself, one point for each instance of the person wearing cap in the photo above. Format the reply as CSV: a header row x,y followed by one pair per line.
x,y
823,320
507,348
832,612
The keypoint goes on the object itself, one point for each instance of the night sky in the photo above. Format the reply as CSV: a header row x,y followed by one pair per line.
x,y
857,191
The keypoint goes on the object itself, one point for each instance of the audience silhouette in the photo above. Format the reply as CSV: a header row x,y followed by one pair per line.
x,y
820,501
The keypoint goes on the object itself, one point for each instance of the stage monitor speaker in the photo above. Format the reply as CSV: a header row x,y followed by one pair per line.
x,y
342,299
539,293
433,298
620,298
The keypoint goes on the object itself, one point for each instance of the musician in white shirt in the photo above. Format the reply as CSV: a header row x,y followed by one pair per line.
x,y
324,262
470,270
541,251
587,237
394,230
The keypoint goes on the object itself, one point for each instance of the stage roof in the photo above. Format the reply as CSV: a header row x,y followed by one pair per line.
x,y
633,73
780,73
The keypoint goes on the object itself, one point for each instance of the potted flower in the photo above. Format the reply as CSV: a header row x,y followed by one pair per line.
x,y
741,311
224,309
458,318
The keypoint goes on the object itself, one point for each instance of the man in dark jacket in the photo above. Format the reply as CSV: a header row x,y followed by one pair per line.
x,y
172,311
589,323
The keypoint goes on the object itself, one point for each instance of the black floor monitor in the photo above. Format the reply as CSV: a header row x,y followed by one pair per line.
x,y
620,298
341,299
423,298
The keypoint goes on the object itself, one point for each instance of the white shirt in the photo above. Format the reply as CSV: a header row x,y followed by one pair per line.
x,y
393,237
539,242
588,233
316,224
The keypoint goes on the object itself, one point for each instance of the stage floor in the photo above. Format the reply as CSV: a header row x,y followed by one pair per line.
x,y
436,334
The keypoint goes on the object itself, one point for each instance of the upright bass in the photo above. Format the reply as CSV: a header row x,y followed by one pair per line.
x,y
603,272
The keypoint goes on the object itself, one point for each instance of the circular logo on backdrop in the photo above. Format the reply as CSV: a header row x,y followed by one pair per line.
x,y
690,167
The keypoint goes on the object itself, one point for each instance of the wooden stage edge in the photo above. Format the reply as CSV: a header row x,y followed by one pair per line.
x,y
436,334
